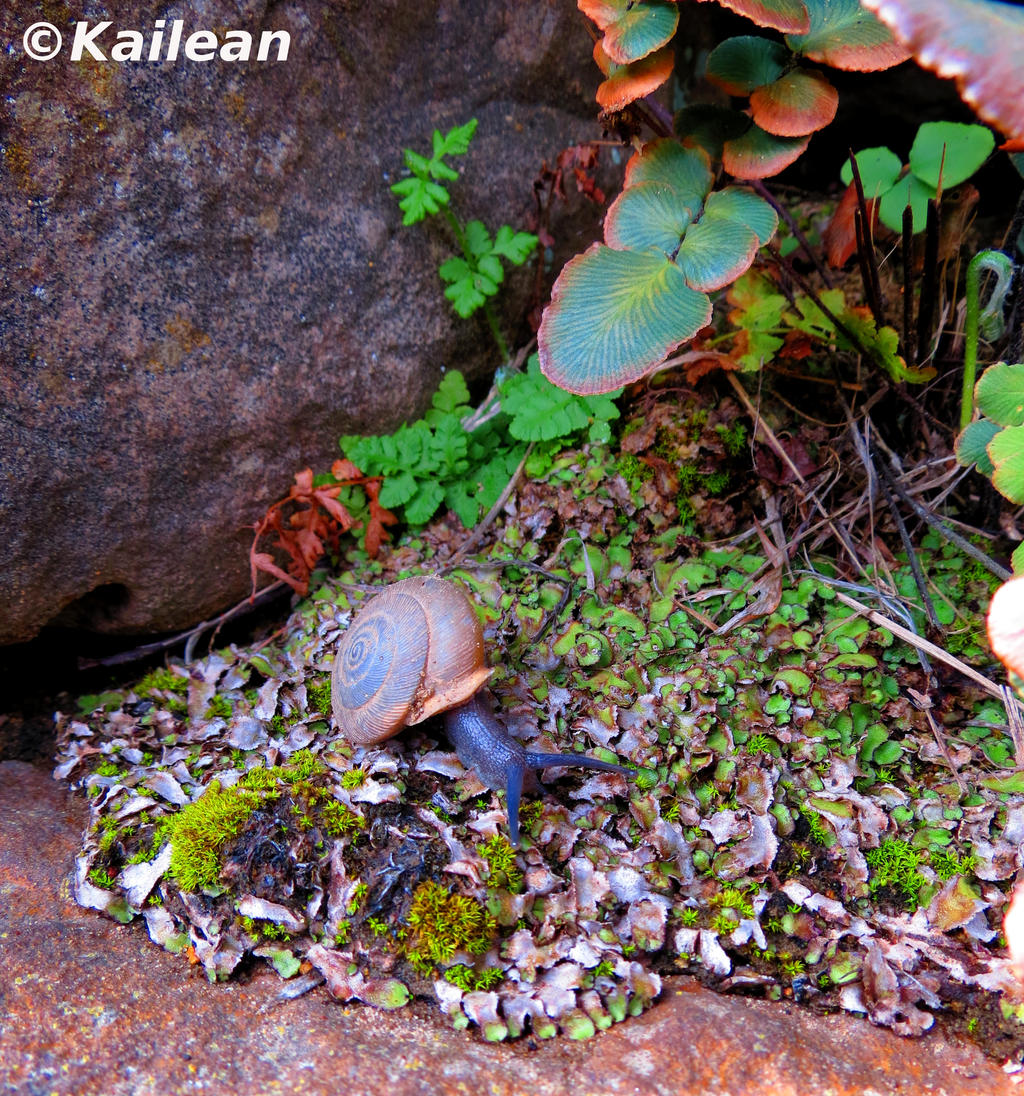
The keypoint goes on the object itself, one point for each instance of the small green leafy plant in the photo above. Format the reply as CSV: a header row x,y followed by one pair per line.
x,y
943,155
762,319
436,460
474,276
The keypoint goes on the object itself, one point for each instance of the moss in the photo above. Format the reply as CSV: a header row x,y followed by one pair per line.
x,y
634,471
339,820
501,859
468,979
302,765
103,878
895,864
161,681
199,831
218,708
734,437
946,863
318,696
440,924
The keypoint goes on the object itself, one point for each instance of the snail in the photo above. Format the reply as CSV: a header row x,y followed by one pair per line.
x,y
417,649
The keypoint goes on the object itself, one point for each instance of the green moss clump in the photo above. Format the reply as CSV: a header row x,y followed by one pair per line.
x,y
199,831
441,924
218,708
634,471
895,864
302,765
339,820
319,696
468,979
501,859
161,681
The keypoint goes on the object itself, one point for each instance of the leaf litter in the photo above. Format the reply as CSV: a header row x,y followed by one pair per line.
x,y
793,829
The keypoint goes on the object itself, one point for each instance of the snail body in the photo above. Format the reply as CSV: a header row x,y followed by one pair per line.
x,y
417,649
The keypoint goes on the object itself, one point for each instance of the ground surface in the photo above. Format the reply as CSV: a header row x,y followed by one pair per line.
x,y
90,1006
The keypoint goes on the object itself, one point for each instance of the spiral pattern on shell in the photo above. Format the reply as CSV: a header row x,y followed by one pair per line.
x,y
413,650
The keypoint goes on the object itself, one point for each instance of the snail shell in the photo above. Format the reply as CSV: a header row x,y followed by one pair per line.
x,y
415,649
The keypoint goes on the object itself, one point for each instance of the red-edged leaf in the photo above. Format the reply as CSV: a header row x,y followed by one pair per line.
x,y
614,316
640,30
788,16
840,235
603,12
738,65
686,170
798,103
758,155
647,215
715,253
846,36
627,83
723,243
978,45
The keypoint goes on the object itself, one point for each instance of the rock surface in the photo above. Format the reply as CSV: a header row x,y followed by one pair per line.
x,y
91,1006
207,281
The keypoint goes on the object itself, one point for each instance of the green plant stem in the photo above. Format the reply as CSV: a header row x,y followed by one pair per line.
x,y
1001,265
492,320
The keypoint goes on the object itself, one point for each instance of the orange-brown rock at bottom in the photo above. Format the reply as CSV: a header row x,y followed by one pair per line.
x,y
90,1006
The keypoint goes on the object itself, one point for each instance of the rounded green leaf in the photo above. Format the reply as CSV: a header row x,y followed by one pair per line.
x,y
739,205
799,102
614,316
950,152
686,170
738,65
1006,451
972,445
1000,394
758,155
627,83
878,167
715,253
846,36
642,28
647,215
788,16
723,243
908,191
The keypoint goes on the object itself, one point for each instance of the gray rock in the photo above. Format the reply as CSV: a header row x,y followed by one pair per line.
x,y
207,283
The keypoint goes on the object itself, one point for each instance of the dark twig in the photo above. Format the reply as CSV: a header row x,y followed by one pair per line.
x,y
929,282
909,341
481,529
136,654
866,249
